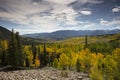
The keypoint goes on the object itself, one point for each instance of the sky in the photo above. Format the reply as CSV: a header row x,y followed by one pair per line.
x,y
38,16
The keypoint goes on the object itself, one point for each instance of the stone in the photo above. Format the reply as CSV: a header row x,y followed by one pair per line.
x,y
79,78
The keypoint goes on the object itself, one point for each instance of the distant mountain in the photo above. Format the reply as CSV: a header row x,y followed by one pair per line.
x,y
62,34
4,33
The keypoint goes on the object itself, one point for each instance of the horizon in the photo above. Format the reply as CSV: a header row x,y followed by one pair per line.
x,y
59,30
41,16
70,30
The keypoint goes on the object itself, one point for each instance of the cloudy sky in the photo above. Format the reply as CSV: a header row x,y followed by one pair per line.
x,y
36,16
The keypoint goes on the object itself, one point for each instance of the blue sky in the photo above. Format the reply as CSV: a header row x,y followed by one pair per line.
x,y
37,16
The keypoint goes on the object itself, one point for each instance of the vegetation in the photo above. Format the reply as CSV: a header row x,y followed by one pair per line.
x,y
99,56
4,33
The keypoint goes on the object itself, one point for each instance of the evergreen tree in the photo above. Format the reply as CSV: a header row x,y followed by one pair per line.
x,y
27,62
3,57
45,55
78,65
34,51
15,56
20,49
12,51
39,52
86,42
39,55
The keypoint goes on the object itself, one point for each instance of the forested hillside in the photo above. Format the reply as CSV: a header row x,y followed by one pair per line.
x,y
90,54
4,33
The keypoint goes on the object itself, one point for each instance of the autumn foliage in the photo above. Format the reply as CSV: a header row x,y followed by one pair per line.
x,y
100,60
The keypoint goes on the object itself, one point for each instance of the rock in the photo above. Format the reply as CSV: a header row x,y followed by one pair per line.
x,y
42,74
53,78
79,78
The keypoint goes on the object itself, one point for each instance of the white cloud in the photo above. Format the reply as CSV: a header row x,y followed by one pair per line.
x,y
116,9
103,22
86,12
66,15
90,1
72,22
19,11
23,12
61,1
117,27
109,23
88,26
45,15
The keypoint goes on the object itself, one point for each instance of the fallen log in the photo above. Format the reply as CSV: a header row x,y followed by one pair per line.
x,y
5,67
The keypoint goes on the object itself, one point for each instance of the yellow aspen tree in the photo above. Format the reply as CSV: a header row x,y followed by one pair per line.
x,y
64,61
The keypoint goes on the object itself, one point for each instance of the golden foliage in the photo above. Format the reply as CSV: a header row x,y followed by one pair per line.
x,y
37,63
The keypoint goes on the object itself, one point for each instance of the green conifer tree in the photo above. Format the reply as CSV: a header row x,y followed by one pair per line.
x,y
15,53
45,55
12,51
20,49
86,42
34,51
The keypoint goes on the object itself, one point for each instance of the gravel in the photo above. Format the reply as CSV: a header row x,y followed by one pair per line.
x,y
43,74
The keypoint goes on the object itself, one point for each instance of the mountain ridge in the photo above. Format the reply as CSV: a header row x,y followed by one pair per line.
x,y
4,33
61,34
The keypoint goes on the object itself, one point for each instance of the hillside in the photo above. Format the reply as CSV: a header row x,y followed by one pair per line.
x,y
4,33
91,39
63,34
66,36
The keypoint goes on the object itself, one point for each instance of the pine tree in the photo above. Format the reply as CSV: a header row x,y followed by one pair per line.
x,y
39,55
86,42
34,51
39,52
45,55
20,49
27,62
15,56
78,65
12,51
3,57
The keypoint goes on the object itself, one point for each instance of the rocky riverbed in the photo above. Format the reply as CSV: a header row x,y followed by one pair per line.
x,y
42,74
